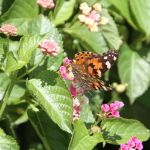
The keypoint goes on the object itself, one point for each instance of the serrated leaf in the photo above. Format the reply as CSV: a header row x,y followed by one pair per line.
x,y
135,71
110,31
81,32
51,135
140,10
7,142
120,130
54,98
61,14
81,140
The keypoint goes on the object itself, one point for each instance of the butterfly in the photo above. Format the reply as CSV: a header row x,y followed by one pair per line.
x,y
88,68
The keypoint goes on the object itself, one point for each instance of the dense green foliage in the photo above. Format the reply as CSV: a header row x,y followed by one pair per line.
x,y
36,107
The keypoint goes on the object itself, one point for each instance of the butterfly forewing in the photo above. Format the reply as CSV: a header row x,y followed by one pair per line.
x,y
108,59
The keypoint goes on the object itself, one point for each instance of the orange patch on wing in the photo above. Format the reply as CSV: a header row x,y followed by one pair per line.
x,y
90,70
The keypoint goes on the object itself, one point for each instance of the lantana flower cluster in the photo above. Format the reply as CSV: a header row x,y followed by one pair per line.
x,y
76,104
46,3
133,144
112,110
91,16
8,29
49,47
67,74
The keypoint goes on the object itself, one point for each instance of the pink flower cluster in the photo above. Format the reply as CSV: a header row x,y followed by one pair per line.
x,y
49,47
112,110
8,29
91,17
46,3
76,104
66,70
133,144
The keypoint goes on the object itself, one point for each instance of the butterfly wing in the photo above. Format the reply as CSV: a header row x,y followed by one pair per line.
x,y
88,67
108,59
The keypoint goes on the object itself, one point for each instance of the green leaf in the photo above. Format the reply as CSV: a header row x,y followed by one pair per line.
x,y
54,63
90,2
81,140
124,8
20,13
63,11
16,95
54,98
12,63
50,134
40,25
7,142
141,13
81,32
86,114
135,71
120,130
28,44
110,31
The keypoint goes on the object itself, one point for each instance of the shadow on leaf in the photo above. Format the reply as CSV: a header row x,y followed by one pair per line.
x,y
111,138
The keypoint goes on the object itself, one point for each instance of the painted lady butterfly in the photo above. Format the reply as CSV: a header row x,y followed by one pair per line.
x,y
88,67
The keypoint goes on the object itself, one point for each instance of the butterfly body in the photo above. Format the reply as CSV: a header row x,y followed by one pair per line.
x,y
88,67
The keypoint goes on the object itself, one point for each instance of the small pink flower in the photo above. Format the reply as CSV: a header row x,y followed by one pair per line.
x,y
115,114
46,3
94,16
105,108
50,47
133,144
8,29
66,73
112,110
124,147
76,109
116,105
73,91
67,61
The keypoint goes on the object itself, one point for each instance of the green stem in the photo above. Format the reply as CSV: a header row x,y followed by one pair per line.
x,y
7,94
30,70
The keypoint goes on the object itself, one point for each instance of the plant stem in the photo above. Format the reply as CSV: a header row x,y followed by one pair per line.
x,y
34,67
7,94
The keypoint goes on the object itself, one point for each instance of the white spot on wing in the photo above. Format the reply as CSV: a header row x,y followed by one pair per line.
x,y
114,58
105,57
108,64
